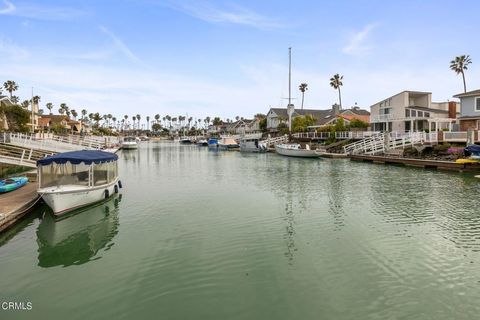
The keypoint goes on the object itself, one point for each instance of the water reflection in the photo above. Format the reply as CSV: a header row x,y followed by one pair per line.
x,y
77,239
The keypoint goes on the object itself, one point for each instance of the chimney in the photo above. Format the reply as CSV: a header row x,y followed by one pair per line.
x,y
336,109
452,109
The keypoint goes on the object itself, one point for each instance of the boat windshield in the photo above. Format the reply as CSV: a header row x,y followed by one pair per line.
x,y
55,174
129,139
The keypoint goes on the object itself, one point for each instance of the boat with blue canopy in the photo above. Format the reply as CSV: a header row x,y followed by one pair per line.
x,y
71,180
474,151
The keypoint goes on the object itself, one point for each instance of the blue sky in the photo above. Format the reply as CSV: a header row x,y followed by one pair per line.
x,y
230,58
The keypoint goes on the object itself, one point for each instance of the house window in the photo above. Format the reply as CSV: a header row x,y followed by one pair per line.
x,y
413,113
427,114
420,114
407,113
477,103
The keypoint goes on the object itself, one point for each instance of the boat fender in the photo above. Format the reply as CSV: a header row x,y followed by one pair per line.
x,y
120,184
107,194
115,188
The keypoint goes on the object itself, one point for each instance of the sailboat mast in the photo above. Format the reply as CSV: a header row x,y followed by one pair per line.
x,y
289,76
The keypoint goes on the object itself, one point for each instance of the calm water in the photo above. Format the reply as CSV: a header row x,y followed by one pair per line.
x,y
204,235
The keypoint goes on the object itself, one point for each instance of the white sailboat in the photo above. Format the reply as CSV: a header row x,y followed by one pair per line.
x,y
293,149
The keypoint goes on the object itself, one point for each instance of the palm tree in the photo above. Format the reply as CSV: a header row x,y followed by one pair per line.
x,y
84,113
459,65
169,119
10,86
207,120
97,118
138,121
74,114
109,116
336,83
133,121
15,99
49,106
148,121
303,87
25,103
36,100
157,117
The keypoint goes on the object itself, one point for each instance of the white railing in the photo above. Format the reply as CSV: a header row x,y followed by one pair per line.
x,y
276,140
431,137
312,135
379,143
460,136
52,143
341,135
370,145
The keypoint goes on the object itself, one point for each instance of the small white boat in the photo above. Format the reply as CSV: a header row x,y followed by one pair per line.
x,y
252,145
71,180
185,140
227,143
295,150
129,143
202,142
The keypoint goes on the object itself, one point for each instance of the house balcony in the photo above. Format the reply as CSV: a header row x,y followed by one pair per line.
x,y
381,118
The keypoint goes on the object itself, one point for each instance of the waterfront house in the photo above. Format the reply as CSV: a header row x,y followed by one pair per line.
x,y
470,110
4,101
324,117
413,111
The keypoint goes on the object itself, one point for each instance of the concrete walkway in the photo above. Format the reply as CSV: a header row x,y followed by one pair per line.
x,y
15,204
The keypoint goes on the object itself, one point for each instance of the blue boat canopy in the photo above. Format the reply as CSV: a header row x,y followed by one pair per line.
x,y
474,148
77,157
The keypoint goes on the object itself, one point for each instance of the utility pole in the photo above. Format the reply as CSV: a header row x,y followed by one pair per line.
x,y
33,115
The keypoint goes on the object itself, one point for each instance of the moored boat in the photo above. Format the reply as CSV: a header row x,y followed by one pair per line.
x,y
129,143
202,143
296,150
227,143
71,180
10,184
252,145
185,140
212,143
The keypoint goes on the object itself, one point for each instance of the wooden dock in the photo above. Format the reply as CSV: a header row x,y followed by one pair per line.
x,y
419,163
15,204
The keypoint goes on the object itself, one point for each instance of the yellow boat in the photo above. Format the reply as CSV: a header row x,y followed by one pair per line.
x,y
462,161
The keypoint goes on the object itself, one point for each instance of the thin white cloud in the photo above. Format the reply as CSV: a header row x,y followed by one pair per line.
x,y
357,43
39,11
13,51
233,14
120,45
8,9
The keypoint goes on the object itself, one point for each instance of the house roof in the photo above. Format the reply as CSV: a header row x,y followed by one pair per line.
x,y
468,94
6,100
322,117
54,118
404,91
469,118
350,117
43,122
